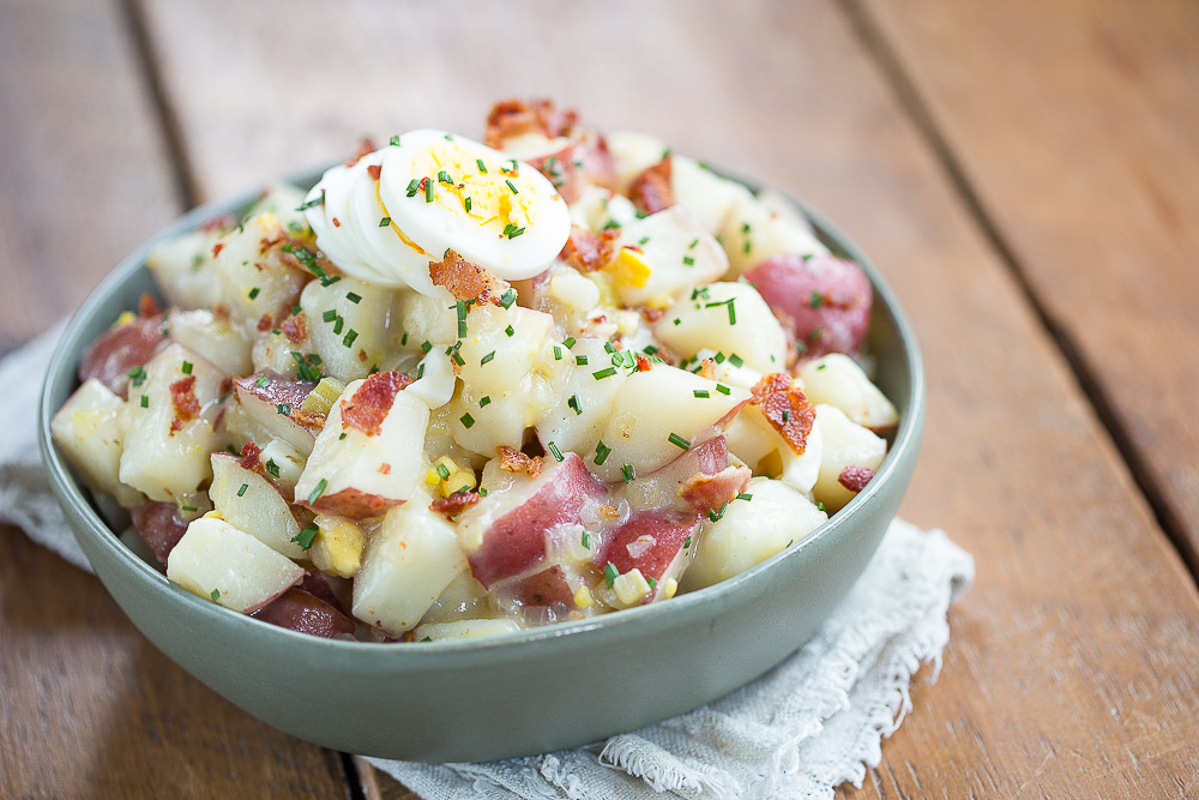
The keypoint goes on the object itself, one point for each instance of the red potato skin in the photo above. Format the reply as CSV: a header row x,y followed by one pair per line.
x,y
825,299
516,542
119,350
353,503
281,390
298,610
160,526
668,531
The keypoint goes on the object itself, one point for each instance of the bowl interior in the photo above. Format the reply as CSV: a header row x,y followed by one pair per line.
x,y
438,701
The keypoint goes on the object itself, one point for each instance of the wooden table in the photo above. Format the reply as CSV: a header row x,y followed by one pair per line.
x,y
1025,173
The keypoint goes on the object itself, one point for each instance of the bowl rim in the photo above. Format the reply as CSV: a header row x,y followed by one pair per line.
x,y
702,602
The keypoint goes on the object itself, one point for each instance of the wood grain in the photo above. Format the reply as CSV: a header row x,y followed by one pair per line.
x,y
1070,672
83,174
91,709
1076,124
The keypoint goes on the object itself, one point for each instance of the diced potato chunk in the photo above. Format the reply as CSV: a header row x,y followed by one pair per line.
x,y
217,561
255,282
214,338
753,232
88,430
731,318
846,444
678,252
710,197
837,379
411,560
249,502
350,326
751,531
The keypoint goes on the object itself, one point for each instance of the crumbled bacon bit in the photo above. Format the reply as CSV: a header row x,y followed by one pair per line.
x,y
217,248
454,504
385,469
336,222
365,148
218,223
707,369
147,306
652,315
183,397
353,503
855,478
643,363
250,456
374,170
650,191
512,460
295,329
587,251
220,311
708,492
513,117
367,409
264,323
786,408
466,280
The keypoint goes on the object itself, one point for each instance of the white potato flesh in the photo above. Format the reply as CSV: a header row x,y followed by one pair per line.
x,y
203,332
759,446
679,252
518,374
387,464
633,152
464,599
88,430
597,207
725,371
254,281
410,561
264,410
702,319
652,405
288,460
272,352
751,531
584,404
846,444
251,503
283,200
753,232
182,270
838,380
710,197
427,319
463,629
217,561
164,456
334,311
436,380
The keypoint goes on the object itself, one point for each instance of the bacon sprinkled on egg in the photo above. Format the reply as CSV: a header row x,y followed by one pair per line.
x,y
650,191
512,460
587,251
786,408
466,280
367,409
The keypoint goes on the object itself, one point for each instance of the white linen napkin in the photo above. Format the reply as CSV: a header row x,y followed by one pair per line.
x,y
811,723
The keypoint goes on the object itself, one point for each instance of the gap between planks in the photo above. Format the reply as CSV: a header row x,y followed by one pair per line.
x,y
910,100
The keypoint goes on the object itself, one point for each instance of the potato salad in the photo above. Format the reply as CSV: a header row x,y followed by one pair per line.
x,y
459,388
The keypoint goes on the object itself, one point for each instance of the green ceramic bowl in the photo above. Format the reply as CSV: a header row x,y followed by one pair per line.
x,y
515,694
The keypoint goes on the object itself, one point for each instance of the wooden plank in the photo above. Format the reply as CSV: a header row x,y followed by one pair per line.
x,y
91,709
1076,123
83,174
1071,669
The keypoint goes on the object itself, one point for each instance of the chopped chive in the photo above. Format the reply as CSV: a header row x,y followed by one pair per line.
x,y
338,324
512,231
426,346
342,436
356,298
316,201
820,507
306,537
485,359
628,473
815,300
689,261
413,187
557,353
581,360
145,401
611,573
186,367
701,393
216,595
420,370
482,491
686,542
653,583
720,387
272,468
394,141
508,298
510,331
467,421
694,242
679,441
461,306
317,491
481,166
137,375
573,402
511,186
736,360
485,401
602,451
607,372
643,240
457,357
188,509
466,203
253,293
242,490
283,408
586,540
732,313
348,341
716,515
570,342
650,350
745,496
385,222
262,381
428,189
444,177
553,448
443,471
329,315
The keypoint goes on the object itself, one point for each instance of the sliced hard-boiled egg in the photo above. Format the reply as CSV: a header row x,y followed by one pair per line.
x,y
395,211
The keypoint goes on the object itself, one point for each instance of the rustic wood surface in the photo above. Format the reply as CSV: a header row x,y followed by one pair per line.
x,y
1019,171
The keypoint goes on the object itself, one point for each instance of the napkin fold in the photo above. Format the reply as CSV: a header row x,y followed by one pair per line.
x,y
811,723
